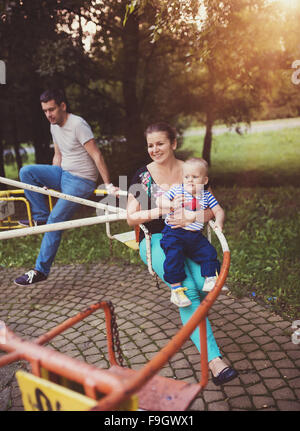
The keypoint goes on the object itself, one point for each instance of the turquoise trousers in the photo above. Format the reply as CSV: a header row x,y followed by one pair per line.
x,y
194,283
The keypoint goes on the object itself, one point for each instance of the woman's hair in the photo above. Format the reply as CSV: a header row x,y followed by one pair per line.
x,y
162,127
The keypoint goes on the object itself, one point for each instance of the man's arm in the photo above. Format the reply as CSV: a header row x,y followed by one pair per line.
x,y
57,156
96,155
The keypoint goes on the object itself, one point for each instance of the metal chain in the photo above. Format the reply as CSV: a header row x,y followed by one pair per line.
x,y
115,335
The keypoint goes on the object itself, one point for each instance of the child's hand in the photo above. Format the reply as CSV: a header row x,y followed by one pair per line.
x,y
178,201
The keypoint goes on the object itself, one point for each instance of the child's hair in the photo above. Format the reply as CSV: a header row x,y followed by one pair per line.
x,y
200,162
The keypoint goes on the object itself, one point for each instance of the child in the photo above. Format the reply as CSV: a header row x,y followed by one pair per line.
x,y
188,241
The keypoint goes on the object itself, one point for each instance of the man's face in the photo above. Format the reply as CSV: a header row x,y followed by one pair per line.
x,y
56,114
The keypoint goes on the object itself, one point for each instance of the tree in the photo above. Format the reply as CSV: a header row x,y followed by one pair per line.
x,y
235,50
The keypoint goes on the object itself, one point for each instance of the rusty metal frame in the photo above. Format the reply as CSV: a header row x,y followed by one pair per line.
x,y
93,379
8,195
115,388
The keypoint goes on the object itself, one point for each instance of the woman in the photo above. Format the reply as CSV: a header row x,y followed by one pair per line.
x,y
154,179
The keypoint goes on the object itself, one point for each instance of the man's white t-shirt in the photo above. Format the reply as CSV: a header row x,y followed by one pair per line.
x,y
70,139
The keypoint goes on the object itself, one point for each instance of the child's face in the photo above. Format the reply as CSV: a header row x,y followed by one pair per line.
x,y
194,177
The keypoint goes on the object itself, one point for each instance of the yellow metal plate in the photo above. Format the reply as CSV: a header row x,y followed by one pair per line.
x,y
132,244
41,395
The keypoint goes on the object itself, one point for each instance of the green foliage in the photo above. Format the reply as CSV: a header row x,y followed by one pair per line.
x,y
263,231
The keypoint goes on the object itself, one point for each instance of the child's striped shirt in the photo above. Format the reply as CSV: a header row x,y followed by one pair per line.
x,y
201,202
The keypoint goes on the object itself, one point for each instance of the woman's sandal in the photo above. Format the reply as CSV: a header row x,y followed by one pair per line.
x,y
225,376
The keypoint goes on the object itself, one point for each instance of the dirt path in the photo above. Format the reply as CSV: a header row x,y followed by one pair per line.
x,y
256,127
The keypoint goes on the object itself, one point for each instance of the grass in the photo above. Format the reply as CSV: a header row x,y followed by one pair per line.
x,y
262,230
11,170
262,223
258,159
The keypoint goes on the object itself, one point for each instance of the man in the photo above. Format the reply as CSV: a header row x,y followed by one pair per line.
x,y
76,164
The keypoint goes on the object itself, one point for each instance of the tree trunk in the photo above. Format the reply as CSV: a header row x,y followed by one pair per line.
x,y
13,136
206,154
208,137
2,169
40,130
133,127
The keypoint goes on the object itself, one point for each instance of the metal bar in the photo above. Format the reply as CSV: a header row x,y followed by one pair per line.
x,y
164,355
9,358
60,195
148,248
45,338
25,202
109,332
61,226
40,356
7,193
220,236
105,192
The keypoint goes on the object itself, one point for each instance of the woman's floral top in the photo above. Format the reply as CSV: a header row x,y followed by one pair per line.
x,y
146,196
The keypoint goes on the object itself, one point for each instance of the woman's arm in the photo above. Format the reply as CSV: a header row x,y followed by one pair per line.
x,y
137,216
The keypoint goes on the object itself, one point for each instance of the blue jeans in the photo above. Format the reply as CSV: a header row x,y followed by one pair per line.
x,y
53,177
194,283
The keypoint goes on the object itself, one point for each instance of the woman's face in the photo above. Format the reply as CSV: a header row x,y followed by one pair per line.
x,y
160,147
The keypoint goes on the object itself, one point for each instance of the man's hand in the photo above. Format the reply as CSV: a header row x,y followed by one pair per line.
x,y
112,190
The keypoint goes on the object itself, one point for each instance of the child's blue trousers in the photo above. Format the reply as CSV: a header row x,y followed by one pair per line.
x,y
181,243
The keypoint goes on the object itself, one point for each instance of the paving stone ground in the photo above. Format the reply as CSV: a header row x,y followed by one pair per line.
x,y
255,341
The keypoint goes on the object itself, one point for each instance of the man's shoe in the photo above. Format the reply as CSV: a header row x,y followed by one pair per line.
x,y
209,284
179,298
225,376
34,222
30,277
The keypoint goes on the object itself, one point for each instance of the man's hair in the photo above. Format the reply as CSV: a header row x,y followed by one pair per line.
x,y
57,95
202,163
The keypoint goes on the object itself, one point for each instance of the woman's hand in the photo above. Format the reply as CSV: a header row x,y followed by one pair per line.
x,y
137,216
182,217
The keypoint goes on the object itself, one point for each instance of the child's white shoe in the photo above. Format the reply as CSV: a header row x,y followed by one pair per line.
x,y
179,298
209,284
